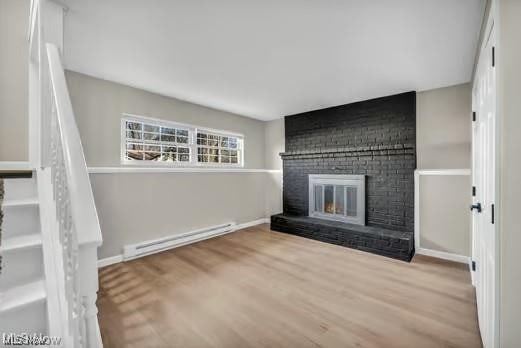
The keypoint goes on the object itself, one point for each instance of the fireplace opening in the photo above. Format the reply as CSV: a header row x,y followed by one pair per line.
x,y
337,197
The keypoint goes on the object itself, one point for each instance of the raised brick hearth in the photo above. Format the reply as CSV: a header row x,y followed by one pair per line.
x,y
374,138
395,244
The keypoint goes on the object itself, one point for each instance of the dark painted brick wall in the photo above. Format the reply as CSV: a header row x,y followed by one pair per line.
x,y
375,138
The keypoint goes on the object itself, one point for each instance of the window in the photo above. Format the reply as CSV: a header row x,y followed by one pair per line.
x,y
162,142
215,148
153,142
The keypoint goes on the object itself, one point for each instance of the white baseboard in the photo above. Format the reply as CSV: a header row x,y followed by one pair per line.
x,y
110,261
192,238
252,223
443,255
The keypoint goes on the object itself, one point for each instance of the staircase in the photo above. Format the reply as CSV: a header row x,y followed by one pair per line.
x,y
22,282
49,282
50,230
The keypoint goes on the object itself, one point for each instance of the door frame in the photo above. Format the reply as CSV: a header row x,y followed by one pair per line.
x,y
492,20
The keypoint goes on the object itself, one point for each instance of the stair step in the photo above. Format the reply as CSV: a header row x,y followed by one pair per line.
x,y
16,189
22,266
21,217
25,319
20,202
21,242
21,296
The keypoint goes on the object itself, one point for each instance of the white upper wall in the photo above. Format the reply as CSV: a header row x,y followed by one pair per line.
x,y
267,59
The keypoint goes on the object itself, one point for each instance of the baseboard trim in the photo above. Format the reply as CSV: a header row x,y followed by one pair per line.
x,y
185,241
443,255
252,223
110,261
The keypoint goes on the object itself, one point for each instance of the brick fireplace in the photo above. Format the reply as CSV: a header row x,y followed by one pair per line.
x,y
374,139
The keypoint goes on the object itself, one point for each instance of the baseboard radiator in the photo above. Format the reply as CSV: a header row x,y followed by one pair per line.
x,y
133,251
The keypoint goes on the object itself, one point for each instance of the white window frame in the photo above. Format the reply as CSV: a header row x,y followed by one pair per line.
x,y
192,143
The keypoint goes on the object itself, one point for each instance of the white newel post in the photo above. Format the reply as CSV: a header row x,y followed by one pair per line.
x,y
89,294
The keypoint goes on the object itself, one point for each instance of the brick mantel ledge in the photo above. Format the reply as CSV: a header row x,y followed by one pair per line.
x,y
374,150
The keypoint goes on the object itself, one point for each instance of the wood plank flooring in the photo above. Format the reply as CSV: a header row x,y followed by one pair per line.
x,y
259,288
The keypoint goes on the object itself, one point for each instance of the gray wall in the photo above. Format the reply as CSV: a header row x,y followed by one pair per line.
x,y
443,140
509,119
139,207
273,194
444,130
14,53
98,105
275,143
444,221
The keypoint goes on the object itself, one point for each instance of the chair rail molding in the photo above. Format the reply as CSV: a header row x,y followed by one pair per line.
x,y
464,171
151,170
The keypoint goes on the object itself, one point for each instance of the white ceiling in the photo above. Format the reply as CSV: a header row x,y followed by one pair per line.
x,y
270,58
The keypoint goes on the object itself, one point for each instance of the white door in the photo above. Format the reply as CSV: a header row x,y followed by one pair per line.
x,y
484,182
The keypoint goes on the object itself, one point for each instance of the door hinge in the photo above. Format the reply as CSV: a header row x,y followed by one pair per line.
x,y
474,266
492,213
473,115
473,191
493,56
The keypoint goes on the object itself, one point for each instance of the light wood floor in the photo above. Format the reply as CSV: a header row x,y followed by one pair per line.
x,y
258,288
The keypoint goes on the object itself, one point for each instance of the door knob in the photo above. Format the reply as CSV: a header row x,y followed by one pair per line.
x,y
476,206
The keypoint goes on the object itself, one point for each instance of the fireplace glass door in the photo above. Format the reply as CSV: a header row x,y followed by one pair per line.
x,y
337,198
